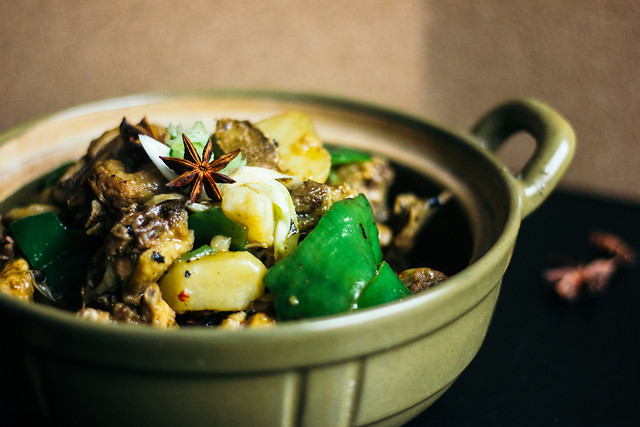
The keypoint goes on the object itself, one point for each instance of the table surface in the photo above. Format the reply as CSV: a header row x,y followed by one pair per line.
x,y
547,362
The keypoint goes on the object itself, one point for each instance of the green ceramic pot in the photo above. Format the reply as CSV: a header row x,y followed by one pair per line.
x,y
378,366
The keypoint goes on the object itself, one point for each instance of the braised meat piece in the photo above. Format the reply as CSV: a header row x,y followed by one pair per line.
x,y
419,279
257,150
17,279
240,319
155,311
72,190
410,215
130,134
115,186
312,199
95,315
372,178
138,250
7,245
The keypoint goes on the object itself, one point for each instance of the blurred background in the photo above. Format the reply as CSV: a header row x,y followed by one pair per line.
x,y
449,61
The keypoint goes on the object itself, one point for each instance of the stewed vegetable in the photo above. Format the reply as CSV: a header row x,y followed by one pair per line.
x,y
253,223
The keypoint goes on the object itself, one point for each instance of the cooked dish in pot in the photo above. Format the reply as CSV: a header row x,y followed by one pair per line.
x,y
245,226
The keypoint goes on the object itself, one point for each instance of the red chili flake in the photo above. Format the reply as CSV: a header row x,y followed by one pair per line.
x,y
184,295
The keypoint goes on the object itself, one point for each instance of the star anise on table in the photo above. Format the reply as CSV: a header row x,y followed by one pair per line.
x,y
574,280
199,172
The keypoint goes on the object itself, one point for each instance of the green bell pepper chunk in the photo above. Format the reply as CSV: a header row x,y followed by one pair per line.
x,y
214,222
60,253
331,267
344,155
198,253
42,238
65,276
52,177
385,287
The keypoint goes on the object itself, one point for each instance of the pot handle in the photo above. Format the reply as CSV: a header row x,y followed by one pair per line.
x,y
555,144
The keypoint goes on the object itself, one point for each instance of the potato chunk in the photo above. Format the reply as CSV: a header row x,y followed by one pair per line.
x,y
224,281
253,210
299,147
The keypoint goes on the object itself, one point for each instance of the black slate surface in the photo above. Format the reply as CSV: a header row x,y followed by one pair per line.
x,y
546,362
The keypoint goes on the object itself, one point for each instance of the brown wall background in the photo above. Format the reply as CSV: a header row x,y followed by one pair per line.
x,y
449,61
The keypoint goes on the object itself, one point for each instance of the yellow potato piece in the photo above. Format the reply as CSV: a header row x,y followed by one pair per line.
x,y
300,151
251,209
224,281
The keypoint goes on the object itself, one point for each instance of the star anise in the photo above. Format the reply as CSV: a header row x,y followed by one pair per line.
x,y
572,281
198,172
